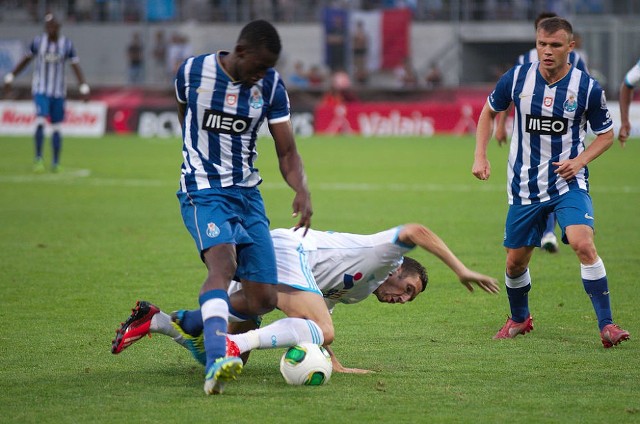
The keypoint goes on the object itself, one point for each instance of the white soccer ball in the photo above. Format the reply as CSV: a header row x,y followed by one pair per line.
x,y
306,364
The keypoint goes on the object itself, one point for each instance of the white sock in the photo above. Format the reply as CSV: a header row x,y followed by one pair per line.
x,y
161,323
282,333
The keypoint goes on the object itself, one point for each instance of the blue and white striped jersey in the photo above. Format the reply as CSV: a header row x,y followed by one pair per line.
x,y
550,124
49,66
632,78
221,122
574,58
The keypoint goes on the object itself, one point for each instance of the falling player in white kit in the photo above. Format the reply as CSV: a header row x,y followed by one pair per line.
x,y
315,273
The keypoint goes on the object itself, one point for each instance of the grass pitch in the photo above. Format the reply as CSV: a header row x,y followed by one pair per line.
x,y
78,248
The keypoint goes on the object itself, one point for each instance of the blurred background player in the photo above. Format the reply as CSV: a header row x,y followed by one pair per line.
x,y
315,273
547,170
630,81
51,50
223,98
549,241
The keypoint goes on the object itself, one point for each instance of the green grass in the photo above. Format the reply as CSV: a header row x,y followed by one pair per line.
x,y
77,249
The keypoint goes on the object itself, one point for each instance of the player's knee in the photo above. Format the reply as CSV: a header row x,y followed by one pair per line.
x,y
585,250
327,331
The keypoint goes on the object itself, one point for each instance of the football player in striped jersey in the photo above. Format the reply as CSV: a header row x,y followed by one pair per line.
x,y
51,51
223,98
547,169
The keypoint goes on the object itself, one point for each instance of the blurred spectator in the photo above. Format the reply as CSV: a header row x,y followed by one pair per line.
x,y
405,74
178,51
336,31
433,78
298,77
315,77
159,57
135,57
360,46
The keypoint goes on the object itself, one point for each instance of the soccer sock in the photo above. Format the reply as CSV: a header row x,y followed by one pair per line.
x,y
214,305
594,279
518,294
39,140
282,333
191,322
551,223
161,323
56,143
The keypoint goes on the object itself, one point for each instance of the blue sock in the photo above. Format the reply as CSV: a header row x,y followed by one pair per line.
x,y
191,322
39,140
56,143
551,223
598,291
519,302
214,305
594,280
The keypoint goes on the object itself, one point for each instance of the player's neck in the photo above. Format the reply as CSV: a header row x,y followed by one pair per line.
x,y
552,76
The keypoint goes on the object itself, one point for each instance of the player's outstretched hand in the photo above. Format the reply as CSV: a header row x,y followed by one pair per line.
x,y
302,208
486,283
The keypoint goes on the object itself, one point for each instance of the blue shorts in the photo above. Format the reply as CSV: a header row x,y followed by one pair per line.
x,y
233,215
526,223
51,107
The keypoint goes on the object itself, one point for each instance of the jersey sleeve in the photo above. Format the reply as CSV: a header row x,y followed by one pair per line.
x,y
280,109
632,78
597,112
71,52
33,47
501,97
181,83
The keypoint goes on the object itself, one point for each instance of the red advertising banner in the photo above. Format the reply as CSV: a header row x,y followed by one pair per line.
x,y
387,118
81,118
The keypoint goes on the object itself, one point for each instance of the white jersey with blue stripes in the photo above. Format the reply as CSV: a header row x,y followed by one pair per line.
x,y
632,78
343,267
221,122
550,125
574,58
49,66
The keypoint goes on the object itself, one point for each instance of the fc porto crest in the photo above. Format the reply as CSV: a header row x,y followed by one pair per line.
x,y
255,100
231,99
213,230
571,104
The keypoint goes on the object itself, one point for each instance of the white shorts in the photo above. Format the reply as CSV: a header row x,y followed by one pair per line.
x,y
292,262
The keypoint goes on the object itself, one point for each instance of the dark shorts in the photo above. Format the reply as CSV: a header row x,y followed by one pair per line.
x,y
526,223
232,215
51,107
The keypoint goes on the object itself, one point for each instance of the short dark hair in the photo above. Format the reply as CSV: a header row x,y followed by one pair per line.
x,y
541,16
260,33
411,266
554,24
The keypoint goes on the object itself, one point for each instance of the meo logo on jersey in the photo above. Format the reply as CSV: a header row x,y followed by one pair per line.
x,y
546,125
224,123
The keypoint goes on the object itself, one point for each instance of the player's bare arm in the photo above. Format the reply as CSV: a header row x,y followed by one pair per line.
x,y
292,170
8,78
182,107
419,235
626,94
568,169
481,167
83,87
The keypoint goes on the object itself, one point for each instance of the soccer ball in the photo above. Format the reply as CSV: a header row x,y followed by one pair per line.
x,y
306,364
